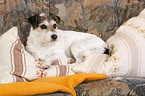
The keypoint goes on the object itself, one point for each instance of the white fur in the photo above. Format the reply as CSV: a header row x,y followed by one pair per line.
x,y
69,44
42,14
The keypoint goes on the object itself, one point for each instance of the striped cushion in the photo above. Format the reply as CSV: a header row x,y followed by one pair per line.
x,y
127,49
16,65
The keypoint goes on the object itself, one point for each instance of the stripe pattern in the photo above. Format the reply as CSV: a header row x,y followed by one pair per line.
x,y
134,53
17,61
60,67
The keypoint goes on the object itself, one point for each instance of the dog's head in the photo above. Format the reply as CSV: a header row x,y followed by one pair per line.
x,y
45,25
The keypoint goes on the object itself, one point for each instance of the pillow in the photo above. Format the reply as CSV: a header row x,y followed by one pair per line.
x,y
127,47
17,65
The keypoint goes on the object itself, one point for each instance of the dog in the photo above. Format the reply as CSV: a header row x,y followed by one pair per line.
x,y
47,43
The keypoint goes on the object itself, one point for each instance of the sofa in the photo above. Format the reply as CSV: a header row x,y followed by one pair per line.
x,y
99,17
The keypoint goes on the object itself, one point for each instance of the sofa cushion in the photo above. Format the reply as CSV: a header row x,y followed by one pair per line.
x,y
17,65
126,52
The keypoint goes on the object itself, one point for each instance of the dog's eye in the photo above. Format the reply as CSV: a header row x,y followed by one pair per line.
x,y
43,26
54,26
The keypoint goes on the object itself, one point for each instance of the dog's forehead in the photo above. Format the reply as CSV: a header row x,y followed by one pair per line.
x,y
45,17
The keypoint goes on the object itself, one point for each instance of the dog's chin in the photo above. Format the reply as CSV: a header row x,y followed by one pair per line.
x,y
48,42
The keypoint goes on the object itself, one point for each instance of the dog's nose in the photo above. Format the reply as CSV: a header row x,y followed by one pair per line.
x,y
54,36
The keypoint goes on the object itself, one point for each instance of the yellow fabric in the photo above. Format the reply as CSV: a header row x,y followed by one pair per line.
x,y
48,85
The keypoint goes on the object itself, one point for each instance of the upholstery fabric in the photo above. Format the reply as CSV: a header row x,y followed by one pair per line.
x,y
100,17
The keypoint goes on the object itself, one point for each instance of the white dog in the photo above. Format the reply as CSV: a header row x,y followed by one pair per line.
x,y
47,43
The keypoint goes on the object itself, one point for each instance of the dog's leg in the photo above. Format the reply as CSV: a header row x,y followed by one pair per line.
x,y
77,51
46,63
61,60
85,47
64,59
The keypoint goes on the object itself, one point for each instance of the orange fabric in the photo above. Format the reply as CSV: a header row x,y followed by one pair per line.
x,y
48,85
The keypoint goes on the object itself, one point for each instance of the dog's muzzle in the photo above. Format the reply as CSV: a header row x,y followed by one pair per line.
x,y
54,36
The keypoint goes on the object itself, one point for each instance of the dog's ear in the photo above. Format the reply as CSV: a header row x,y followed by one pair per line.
x,y
55,18
33,20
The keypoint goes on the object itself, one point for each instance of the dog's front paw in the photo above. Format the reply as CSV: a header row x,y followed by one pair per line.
x,y
46,64
63,61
